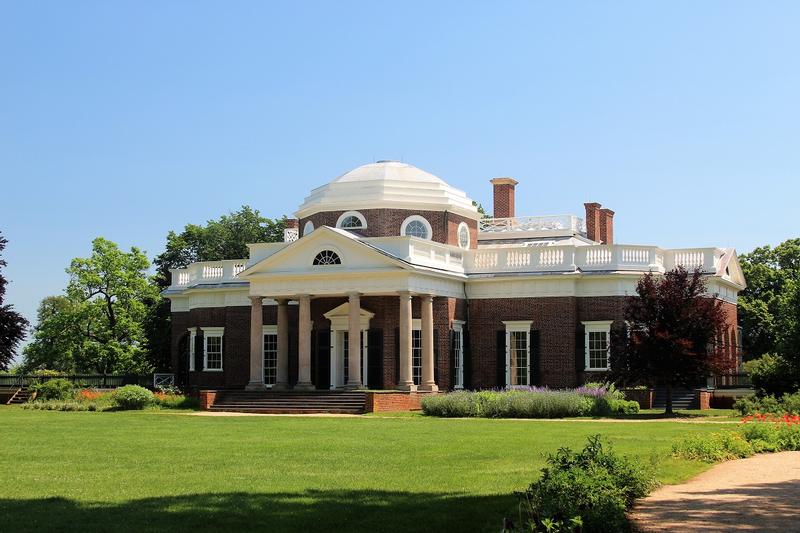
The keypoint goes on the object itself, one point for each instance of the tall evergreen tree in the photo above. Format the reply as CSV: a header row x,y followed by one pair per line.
x,y
12,324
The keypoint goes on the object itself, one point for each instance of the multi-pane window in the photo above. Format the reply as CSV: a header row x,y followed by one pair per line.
x,y
213,351
270,358
596,340
416,356
416,228
327,257
458,350
192,351
518,357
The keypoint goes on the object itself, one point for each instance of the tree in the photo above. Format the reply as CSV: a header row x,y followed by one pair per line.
x,y
12,324
769,313
672,331
224,238
98,326
55,344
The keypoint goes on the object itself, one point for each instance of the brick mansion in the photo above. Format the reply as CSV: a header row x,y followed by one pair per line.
x,y
390,278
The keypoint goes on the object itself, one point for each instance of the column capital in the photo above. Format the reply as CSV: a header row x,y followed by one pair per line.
x,y
405,294
282,301
426,297
353,293
255,299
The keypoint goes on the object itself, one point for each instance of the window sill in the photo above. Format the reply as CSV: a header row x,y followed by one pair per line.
x,y
596,369
212,370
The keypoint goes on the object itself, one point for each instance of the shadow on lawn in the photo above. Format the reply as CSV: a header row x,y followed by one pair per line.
x,y
312,510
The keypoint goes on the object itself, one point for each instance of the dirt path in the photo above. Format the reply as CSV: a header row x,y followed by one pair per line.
x,y
761,493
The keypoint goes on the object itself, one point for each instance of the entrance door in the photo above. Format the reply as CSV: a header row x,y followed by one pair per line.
x,y
340,359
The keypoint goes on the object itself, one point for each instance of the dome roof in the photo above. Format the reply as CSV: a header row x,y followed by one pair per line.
x,y
387,184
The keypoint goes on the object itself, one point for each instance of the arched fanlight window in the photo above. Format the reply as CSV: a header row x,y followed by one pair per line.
x,y
351,220
327,258
416,226
308,228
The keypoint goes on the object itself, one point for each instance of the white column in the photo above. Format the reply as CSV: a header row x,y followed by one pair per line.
x,y
354,342
304,345
428,384
256,344
282,374
406,382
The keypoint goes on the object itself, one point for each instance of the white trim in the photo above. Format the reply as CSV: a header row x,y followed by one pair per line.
x,y
596,326
266,330
192,352
518,325
356,214
216,332
269,330
327,248
308,228
465,227
417,218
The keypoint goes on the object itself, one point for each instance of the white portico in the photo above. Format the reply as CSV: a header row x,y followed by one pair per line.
x,y
333,263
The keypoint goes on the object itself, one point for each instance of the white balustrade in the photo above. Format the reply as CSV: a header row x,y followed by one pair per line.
x,y
546,223
208,272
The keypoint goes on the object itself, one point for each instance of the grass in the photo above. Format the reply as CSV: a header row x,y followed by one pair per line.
x,y
149,471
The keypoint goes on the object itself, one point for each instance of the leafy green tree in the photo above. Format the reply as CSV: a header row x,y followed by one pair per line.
x,y
769,313
12,324
99,323
56,337
224,238
671,334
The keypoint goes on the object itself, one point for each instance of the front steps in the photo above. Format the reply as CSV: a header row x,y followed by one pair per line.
x,y
14,395
290,402
681,399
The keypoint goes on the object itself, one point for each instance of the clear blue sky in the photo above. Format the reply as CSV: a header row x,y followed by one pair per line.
x,y
128,119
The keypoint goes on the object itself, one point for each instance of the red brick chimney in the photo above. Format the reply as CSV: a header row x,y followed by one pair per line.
x,y
292,223
592,220
504,197
607,226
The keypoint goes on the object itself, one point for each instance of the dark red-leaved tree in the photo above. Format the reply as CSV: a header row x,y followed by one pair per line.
x,y
12,324
672,333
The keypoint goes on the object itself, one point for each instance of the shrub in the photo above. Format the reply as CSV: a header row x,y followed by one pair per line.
x,y
54,389
750,405
586,491
773,374
513,403
713,448
174,401
132,397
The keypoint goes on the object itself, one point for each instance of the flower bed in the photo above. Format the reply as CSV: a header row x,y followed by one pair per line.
x,y
530,402
757,433
62,398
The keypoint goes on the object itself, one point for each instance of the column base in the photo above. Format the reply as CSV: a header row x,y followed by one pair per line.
x,y
255,386
355,386
429,387
407,387
305,386
281,386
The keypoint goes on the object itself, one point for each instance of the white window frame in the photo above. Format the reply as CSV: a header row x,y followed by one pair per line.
x,y
268,330
463,227
347,214
216,333
458,329
308,228
596,326
192,350
518,326
416,325
417,218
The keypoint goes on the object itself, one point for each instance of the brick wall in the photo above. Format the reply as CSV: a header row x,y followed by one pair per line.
x,y
393,401
386,223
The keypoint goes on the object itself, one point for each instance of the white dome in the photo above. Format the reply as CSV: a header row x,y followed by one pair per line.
x,y
387,184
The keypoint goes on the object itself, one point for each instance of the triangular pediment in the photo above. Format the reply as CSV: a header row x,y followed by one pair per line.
x,y
299,257
730,269
344,311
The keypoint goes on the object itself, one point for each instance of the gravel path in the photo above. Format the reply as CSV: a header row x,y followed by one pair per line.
x,y
761,493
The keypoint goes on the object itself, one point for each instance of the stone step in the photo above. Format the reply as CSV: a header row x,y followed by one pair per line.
x,y
290,402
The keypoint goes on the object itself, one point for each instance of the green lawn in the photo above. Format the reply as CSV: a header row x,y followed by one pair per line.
x,y
148,471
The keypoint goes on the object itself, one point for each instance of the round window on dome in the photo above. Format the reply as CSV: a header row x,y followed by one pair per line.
x,y
416,226
463,235
351,220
